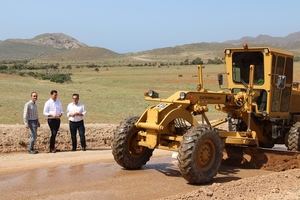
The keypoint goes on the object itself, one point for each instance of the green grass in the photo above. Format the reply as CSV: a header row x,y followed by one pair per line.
x,y
110,94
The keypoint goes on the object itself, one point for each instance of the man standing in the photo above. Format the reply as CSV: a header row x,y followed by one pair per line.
x,y
31,120
75,112
53,111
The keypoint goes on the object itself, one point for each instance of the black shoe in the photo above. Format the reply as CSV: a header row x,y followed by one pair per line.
x,y
53,151
83,149
73,149
32,152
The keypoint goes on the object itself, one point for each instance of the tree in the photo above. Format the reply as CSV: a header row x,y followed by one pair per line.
x,y
197,61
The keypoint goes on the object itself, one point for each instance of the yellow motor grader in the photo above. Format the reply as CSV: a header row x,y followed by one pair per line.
x,y
260,99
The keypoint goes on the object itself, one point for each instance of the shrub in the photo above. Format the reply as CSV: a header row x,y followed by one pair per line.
x,y
296,58
197,61
3,67
216,60
60,78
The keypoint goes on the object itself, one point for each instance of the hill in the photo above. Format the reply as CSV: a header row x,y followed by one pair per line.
x,y
291,41
81,54
59,47
51,46
11,50
55,40
207,50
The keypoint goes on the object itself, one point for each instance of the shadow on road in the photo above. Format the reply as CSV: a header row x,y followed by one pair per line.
x,y
226,173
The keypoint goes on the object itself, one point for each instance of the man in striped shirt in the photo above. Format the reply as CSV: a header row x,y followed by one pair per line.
x,y
31,120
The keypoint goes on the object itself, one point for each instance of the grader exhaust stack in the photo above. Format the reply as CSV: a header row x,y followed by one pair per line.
x,y
261,102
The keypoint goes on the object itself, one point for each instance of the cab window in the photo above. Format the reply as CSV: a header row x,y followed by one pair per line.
x,y
241,62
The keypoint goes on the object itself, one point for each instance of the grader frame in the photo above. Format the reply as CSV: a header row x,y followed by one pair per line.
x,y
260,97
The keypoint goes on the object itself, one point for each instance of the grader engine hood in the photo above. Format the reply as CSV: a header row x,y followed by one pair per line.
x,y
159,116
182,104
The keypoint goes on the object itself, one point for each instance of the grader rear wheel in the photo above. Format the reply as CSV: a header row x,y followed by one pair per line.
x,y
125,148
200,154
293,138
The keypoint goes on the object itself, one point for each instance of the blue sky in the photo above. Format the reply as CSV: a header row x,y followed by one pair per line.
x,y
134,25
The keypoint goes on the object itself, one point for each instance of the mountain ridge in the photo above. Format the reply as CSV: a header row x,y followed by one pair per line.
x,y
60,46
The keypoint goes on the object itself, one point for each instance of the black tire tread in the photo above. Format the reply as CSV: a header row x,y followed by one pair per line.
x,y
293,140
120,149
186,151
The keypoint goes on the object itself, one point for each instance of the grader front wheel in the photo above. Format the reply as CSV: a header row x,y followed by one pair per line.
x,y
200,154
125,148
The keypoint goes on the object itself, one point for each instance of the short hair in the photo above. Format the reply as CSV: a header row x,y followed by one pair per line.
x,y
53,91
33,92
75,94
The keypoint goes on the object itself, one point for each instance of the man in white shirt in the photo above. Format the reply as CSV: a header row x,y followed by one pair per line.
x,y
31,120
53,111
76,112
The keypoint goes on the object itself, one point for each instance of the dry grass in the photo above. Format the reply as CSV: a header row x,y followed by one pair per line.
x,y
110,94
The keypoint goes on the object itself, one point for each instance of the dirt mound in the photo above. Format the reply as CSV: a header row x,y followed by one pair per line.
x,y
279,185
14,138
266,159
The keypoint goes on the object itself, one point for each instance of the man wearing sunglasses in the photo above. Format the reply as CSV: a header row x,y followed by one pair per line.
x,y
76,112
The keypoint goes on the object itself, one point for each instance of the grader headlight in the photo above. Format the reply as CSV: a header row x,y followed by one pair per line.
x,y
227,52
182,95
152,94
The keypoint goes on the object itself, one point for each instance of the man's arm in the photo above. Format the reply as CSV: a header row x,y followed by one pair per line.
x,y
61,109
46,109
69,114
83,110
25,114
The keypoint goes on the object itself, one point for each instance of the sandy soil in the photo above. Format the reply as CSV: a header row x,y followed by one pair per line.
x,y
14,138
57,176
94,175
280,185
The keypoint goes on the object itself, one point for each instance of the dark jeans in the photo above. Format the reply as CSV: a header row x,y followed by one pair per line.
x,y
74,126
32,124
54,127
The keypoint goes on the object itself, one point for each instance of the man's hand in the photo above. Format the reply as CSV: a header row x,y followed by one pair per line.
x,y
79,114
58,116
38,124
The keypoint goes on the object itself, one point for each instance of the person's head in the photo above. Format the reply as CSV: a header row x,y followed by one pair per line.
x,y
34,96
53,95
75,98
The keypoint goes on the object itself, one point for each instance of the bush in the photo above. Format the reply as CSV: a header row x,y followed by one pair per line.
x,y
197,61
3,67
185,62
296,58
60,78
216,60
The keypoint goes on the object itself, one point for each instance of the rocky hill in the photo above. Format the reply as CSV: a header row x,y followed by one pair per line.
x,y
55,40
51,46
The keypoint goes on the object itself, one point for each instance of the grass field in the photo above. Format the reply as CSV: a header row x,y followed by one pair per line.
x,y
110,94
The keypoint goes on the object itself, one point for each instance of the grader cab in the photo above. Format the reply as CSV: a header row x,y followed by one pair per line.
x,y
261,102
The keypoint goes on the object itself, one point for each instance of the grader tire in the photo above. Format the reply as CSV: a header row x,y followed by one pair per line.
x,y
200,154
293,140
125,149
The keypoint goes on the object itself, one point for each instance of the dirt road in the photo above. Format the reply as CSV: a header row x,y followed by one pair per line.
x,y
94,175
